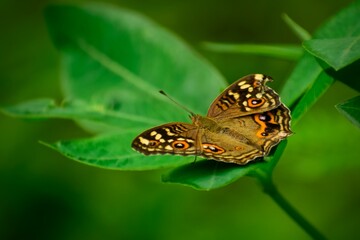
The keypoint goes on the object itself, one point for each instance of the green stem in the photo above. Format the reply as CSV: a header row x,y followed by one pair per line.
x,y
272,191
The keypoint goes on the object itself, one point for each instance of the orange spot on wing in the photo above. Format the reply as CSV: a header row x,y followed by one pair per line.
x,y
238,148
262,126
212,148
180,144
255,102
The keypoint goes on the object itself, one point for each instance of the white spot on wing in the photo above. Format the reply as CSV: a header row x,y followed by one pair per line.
x,y
244,86
169,133
259,77
168,147
144,141
235,94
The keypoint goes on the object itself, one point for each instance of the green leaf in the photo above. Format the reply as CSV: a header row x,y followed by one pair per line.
x,y
122,58
115,67
208,174
113,151
273,158
336,52
305,73
125,79
76,110
296,28
344,24
351,110
320,86
288,52
32,109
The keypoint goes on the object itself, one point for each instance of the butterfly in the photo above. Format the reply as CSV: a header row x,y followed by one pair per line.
x,y
243,123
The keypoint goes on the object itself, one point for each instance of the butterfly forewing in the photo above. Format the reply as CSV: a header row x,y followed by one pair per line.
x,y
172,138
247,95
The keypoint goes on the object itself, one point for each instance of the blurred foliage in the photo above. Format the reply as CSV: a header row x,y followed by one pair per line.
x,y
72,201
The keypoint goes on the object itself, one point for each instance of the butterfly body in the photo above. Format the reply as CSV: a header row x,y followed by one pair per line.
x,y
242,124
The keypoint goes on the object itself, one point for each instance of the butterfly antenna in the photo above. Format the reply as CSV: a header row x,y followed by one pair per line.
x,y
178,104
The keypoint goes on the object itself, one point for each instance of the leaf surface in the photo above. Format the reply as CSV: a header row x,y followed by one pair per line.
x,y
351,110
112,151
115,57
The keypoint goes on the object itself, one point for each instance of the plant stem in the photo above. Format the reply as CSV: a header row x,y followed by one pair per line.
x,y
271,190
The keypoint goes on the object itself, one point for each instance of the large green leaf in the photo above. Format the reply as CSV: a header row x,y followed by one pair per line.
x,y
351,110
119,60
114,62
113,151
116,57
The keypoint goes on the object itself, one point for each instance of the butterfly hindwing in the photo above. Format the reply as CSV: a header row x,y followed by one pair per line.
x,y
229,146
240,140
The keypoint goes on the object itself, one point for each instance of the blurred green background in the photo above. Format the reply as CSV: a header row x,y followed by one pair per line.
x,y
46,196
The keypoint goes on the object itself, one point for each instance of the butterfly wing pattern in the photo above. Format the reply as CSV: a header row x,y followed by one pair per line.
x,y
243,123
172,138
248,95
